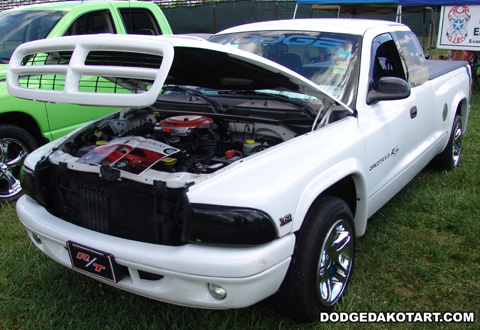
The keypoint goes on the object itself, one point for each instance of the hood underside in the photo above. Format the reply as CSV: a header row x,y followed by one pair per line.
x,y
152,61
213,69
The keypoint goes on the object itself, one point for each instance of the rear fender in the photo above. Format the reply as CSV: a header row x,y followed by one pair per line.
x,y
460,106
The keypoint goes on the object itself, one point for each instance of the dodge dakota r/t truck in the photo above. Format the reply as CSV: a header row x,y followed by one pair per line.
x,y
227,177
24,125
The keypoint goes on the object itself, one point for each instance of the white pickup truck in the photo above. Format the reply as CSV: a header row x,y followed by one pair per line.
x,y
230,177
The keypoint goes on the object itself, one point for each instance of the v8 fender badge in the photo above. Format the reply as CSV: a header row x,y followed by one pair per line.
x,y
285,219
445,112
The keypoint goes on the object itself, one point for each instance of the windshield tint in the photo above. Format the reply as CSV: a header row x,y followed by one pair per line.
x,y
17,27
331,60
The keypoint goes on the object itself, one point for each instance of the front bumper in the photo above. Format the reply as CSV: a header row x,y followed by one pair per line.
x,y
248,274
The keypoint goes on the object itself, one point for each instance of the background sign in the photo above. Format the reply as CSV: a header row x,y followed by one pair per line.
x,y
459,27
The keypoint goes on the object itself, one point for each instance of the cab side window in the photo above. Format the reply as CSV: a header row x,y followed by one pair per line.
x,y
139,21
90,23
385,60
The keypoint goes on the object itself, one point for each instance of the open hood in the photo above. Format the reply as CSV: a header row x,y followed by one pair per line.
x,y
141,66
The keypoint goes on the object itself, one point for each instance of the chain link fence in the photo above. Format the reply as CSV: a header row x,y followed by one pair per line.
x,y
211,16
9,4
203,16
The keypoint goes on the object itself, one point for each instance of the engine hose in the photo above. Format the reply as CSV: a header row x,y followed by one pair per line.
x,y
143,129
207,142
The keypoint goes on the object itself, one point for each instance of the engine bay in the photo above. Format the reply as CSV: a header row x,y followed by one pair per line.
x,y
182,142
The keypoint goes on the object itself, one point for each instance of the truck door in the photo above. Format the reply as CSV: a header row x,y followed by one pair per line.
x,y
397,132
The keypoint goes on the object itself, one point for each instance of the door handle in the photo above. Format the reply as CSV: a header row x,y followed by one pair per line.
x,y
413,112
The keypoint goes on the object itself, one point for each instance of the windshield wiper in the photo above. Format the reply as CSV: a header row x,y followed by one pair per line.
x,y
215,105
277,97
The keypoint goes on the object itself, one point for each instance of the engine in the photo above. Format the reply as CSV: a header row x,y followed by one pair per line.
x,y
192,134
199,144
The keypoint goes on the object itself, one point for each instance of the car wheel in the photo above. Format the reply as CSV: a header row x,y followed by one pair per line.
x,y
322,262
15,144
450,157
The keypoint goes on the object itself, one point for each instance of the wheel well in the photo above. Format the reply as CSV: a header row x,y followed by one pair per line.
x,y
462,110
346,190
26,122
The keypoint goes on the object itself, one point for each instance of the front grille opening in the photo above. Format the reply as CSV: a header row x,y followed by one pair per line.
x,y
126,209
112,58
47,58
104,58
54,82
113,85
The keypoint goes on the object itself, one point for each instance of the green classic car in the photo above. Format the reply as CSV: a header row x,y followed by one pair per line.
x,y
24,124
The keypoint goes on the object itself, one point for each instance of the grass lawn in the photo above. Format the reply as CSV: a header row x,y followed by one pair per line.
x,y
421,253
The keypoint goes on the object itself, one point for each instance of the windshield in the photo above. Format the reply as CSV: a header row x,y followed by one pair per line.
x,y
17,27
331,60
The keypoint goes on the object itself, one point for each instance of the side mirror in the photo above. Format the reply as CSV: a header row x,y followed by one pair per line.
x,y
389,88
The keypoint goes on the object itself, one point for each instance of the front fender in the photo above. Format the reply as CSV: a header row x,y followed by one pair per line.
x,y
284,180
349,167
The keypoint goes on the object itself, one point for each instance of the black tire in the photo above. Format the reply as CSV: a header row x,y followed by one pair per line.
x,y
450,157
317,277
15,144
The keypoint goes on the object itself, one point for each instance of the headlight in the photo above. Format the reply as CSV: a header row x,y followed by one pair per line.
x,y
212,224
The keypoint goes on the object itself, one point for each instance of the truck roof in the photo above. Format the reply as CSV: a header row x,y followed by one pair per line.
x,y
342,25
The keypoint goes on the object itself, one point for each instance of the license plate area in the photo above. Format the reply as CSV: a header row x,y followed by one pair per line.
x,y
97,263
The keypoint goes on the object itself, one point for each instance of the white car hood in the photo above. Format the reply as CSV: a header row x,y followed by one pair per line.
x,y
184,61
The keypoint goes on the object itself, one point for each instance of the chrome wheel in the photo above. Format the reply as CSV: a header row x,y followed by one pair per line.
x,y
322,262
335,264
457,143
12,154
449,158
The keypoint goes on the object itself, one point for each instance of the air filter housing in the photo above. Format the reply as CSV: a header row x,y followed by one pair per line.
x,y
184,124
